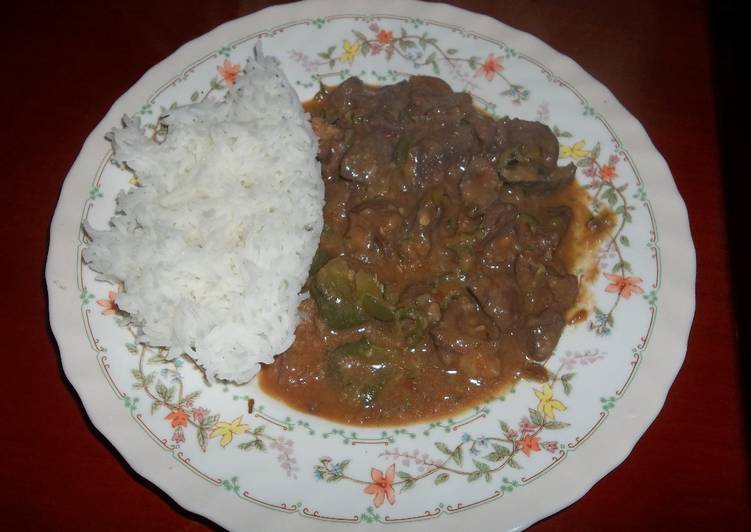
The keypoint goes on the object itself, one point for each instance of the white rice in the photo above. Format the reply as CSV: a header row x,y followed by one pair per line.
x,y
213,248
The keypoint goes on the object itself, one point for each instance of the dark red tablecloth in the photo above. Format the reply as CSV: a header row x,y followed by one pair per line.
x,y
66,63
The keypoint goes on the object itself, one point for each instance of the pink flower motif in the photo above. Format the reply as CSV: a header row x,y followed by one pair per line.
x,y
613,160
529,444
490,67
382,486
199,413
229,72
608,172
512,434
590,171
373,27
622,285
177,418
375,48
108,305
550,446
178,436
385,37
525,425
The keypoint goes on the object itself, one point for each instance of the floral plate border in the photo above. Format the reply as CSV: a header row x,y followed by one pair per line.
x,y
635,411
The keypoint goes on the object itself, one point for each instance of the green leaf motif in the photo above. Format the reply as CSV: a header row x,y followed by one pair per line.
x,y
482,467
499,453
458,456
164,393
552,424
610,196
595,154
253,444
513,463
622,265
209,421
442,447
157,358
440,479
535,417
566,381
408,481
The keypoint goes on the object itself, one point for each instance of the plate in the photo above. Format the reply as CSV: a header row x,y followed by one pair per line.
x,y
245,460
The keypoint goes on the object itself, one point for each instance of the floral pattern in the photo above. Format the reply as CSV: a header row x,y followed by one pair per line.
x,y
109,307
422,50
490,67
229,72
517,436
503,450
382,486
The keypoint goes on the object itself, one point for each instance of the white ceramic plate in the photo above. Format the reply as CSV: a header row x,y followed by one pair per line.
x,y
509,462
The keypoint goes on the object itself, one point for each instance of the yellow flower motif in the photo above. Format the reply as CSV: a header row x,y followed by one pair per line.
x,y
351,49
575,151
547,404
228,430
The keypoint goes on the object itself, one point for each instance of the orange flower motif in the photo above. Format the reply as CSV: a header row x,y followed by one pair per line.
x,y
607,172
385,37
624,286
108,305
529,444
178,418
382,486
229,72
490,67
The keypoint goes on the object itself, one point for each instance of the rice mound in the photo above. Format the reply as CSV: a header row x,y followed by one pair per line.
x,y
214,247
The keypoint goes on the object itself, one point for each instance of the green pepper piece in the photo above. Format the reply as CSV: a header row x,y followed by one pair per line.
x,y
347,298
366,285
377,308
359,367
334,293
319,261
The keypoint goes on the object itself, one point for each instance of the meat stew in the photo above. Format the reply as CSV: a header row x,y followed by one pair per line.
x,y
445,270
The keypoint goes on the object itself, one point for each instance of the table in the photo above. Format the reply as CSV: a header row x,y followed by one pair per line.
x,y
65,65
